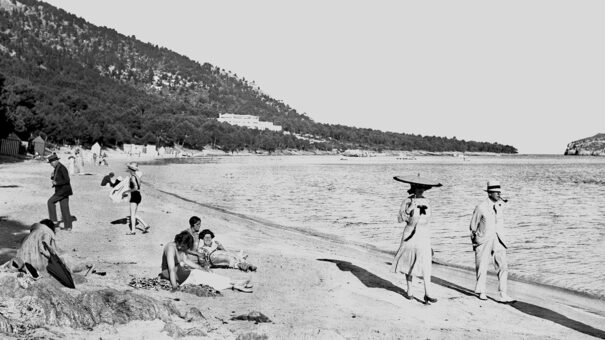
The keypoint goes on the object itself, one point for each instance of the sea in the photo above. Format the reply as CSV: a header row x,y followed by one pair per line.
x,y
555,215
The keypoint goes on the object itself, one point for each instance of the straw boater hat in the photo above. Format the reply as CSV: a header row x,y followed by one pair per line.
x,y
493,186
53,158
132,166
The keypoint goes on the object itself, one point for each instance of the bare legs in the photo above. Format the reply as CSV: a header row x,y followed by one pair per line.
x,y
134,219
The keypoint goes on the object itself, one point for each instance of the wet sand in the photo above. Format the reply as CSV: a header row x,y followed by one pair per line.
x,y
309,285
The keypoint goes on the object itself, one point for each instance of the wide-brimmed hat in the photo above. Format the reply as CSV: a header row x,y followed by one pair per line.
x,y
53,158
132,166
417,180
493,186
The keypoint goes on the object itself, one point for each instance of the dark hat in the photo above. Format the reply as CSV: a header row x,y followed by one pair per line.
x,y
53,158
417,180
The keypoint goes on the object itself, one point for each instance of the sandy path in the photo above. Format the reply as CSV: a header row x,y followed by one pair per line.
x,y
311,286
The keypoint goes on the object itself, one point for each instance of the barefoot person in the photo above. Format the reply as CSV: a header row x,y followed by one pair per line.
x,y
414,256
221,257
60,180
177,268
487,227
135,198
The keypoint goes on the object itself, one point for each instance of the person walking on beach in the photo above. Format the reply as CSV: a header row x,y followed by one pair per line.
x,y
487,229
414,257
60,180
135,197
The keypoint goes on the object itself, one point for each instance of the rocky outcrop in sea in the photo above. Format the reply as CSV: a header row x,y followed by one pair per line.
x,y
591,146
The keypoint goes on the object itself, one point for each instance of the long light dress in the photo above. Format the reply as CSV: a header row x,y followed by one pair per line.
x,y
415,245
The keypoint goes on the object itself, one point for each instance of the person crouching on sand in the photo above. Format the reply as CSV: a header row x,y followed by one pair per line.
x,y
177,268
414,254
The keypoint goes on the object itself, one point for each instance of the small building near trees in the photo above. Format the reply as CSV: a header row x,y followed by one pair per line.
x,y
10,145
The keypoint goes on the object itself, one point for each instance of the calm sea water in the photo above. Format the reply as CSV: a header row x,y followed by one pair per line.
x,y
555,217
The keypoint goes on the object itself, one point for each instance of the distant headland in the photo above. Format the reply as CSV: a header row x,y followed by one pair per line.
x,y
590,146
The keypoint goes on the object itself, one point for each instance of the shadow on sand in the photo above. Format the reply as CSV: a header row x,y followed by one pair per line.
x,y
11,235
531,309
368,279
373,281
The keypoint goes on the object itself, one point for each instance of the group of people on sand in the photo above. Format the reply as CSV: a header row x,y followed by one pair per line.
x,y
188,259
414,256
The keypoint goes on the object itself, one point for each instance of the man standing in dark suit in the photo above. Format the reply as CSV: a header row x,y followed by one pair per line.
x,y
62,187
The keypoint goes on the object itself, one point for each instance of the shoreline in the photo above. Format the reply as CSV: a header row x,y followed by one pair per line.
x,y
309,285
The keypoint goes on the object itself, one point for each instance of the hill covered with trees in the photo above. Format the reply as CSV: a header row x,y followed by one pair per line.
x,y
73,82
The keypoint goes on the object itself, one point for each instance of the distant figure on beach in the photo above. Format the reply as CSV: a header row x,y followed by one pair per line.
x,y
79,161
60,181
71,164
487,229
414,257
33,253
221,257
135,197
177,268
109,180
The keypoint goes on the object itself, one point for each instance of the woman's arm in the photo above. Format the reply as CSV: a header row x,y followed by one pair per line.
x,y
190,264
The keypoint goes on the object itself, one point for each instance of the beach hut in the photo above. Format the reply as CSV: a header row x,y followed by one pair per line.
x,y
162,151
39,146
10,145
96,149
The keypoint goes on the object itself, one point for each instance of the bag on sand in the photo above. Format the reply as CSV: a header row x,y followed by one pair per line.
x,y
57,269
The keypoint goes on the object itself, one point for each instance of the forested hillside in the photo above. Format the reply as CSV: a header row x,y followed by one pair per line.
x,y
72,82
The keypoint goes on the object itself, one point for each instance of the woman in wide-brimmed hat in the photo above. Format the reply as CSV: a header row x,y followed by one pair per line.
x,y
135,197
414,256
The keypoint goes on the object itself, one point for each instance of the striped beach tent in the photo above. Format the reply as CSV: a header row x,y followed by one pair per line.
x,y
10,145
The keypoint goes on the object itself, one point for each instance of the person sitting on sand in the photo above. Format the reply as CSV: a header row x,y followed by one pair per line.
x,y
177,268
33,253
221,257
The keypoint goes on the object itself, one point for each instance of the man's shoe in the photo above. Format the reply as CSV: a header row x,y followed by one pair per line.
x,y
482,296
504,298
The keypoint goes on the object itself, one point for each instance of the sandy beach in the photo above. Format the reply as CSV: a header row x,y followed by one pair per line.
x,y
311,286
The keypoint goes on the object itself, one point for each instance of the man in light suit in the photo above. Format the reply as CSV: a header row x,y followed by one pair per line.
x,y
60,179
487,235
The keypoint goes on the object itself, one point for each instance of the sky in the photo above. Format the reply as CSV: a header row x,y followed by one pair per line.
x,y
530,74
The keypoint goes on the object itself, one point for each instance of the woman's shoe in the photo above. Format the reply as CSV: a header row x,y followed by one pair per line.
x,y
428,300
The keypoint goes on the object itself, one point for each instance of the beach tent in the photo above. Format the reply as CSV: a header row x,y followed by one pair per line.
x,y
39,145
161,151
96,149
127,148
150,149
10,145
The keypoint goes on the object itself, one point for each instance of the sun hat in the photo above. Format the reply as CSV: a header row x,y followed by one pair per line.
x,y
417,180
53,158
493,186
132,166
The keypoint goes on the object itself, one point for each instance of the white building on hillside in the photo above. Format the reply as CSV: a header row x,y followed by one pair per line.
x,y
251,122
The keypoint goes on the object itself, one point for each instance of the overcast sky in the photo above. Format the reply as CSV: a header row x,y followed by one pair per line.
x,y
525,73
